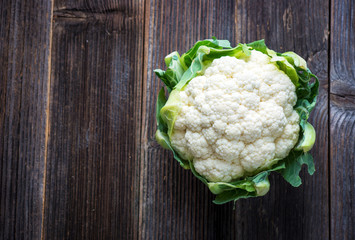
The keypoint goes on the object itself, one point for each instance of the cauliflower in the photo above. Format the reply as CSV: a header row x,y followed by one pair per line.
x,y
236,114
228,123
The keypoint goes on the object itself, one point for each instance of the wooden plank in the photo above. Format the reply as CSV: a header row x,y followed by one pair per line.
x,y
96,84
25,30
287,212
342,116
91,6
175,205
342,120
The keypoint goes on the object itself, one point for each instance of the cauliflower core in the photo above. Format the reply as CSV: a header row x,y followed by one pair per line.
x,y
237,118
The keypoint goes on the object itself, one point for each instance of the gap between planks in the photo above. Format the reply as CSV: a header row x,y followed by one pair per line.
x,y
143,133
47,127
329,119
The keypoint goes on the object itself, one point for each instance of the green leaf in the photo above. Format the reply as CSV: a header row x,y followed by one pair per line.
x,y
295,60
161,74
259,46
163,139
174,70
219,187
161,100
233,195
204,57
171,110
183,162
245,49
291,172
161,135
257,185
308,139
261,183
180,70
191,72
307,159
189,56
286,67
221,43
294,162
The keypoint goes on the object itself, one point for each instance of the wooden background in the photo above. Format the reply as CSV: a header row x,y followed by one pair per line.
x,y
77,103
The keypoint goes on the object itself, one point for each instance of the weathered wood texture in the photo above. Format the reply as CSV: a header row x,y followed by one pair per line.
x,y
287,212
78,116
96,78
342,116
175,205
24,56
179,206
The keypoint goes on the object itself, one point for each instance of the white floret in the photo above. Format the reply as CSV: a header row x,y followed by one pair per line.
x,y
233,131
251,126
236,118
289,136
179,142
273,119
210,135
197,144
256,155
228,150
216,169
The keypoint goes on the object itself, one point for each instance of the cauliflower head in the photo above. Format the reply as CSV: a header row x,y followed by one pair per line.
x,y
236,114
236,118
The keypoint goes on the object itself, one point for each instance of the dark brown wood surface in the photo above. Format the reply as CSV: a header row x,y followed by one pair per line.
x,y
342,124
25,30
95,117
77,120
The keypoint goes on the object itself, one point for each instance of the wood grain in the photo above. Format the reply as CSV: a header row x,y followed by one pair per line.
x,y
24,56
287,212
91,6
96,86
342,119
78,158
177,205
